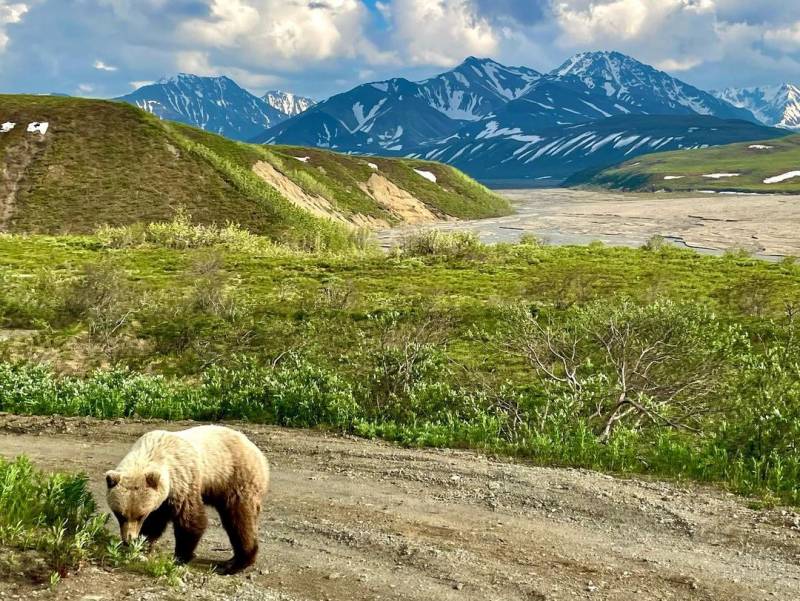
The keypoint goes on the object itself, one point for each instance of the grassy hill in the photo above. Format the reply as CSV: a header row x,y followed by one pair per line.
x,y
104,162
688,170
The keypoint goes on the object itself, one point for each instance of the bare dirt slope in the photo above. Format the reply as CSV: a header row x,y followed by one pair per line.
x,y
349,519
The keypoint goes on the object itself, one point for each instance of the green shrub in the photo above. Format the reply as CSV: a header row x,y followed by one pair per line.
x,y
440,243
181,233
55,516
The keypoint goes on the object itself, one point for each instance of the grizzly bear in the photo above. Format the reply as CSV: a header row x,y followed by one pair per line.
x,y
171,476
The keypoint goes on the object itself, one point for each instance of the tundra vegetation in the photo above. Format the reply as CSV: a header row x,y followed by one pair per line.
x,y
652,361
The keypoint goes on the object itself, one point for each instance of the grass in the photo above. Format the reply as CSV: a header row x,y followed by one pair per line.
x,y
110,163
647,173
422,347
50,528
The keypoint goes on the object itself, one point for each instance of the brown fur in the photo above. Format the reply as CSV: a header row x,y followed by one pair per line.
x,y
171,477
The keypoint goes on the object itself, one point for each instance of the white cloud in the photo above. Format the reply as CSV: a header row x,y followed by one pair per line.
x,y
9,14
786,39
675,35
140,84
276,32
101,66
439,32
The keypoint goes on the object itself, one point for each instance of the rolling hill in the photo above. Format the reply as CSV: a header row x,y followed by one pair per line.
x,y
103,162
771,166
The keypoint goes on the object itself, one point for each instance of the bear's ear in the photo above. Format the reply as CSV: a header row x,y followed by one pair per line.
x,y
112,478
153,478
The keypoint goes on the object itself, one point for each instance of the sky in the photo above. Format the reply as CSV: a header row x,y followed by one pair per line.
x,y
106,48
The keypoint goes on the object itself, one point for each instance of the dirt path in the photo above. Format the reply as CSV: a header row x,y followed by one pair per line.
x,y
17,158
349,519
710,223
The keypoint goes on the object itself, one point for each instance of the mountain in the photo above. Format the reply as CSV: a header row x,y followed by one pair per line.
x,y
476,88
215,104
287,103
769,166
778,106
457,115
398,114
498,152
640,89
103,162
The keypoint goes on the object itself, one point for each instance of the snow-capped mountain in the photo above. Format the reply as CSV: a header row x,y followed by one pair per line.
x,y
475,88
399,114
641,89
496,152
372,118
216,104
482,98
778,106
288,103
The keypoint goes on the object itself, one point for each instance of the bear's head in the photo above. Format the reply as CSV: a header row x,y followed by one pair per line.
x,y
133,495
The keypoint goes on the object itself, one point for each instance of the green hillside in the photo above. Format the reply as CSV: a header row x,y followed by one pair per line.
x,y
685,170
103,162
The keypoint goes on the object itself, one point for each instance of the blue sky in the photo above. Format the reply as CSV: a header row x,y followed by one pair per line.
x,y
318,47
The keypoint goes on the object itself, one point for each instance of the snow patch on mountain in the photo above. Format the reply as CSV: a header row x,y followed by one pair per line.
x,y
778,106
288,103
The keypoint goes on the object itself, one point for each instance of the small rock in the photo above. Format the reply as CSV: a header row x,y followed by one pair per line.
x,y
458,586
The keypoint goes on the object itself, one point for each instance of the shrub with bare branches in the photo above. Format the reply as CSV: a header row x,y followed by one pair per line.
x,y
624,363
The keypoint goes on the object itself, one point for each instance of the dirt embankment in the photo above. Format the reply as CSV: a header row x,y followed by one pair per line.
x,y
350,519
401,204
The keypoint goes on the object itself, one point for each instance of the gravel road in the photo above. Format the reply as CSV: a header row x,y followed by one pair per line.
x,y
351,519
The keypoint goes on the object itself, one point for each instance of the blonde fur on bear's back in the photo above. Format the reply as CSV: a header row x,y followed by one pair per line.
x,y
222,450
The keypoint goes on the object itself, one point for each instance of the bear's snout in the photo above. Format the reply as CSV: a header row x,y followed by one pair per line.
x,y
129,531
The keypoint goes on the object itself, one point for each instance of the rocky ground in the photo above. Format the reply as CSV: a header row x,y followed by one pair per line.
x,y
764,225
350,519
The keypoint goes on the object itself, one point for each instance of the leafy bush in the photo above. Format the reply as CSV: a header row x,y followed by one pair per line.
x,y
55,516
439,243
182,233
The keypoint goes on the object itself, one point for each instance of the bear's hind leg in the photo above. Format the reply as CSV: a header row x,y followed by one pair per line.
x,y
240,519
189,525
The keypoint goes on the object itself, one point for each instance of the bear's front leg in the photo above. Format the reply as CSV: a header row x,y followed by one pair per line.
x,y
189,525
155,524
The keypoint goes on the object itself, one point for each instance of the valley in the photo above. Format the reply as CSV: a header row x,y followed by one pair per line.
x,y
764,225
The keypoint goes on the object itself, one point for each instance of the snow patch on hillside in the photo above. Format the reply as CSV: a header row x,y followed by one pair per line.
x,y
426,174
782,177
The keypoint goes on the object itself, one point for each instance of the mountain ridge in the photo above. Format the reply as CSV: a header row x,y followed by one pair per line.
x,y
288,103
777,106
215,104
466,115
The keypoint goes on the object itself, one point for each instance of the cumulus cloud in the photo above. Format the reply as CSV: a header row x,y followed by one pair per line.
x,y
318,47
10,13
439,32
271,31
673,34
